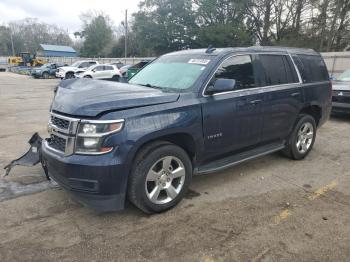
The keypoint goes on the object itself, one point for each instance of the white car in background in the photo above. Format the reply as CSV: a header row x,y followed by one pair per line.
x,y
67,72
105,72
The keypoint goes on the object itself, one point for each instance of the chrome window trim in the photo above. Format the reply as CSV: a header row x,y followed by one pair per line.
x,y
296,69
280,87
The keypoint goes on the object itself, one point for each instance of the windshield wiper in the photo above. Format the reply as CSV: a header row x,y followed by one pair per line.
x,y
151,86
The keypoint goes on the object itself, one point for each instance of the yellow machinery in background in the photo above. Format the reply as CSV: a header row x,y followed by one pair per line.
x,y
26,59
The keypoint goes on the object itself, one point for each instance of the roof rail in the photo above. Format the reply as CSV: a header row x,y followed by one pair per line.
x,y
210,49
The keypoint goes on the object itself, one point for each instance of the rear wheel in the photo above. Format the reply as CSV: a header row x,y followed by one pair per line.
x,y
302,138
160,177
115,78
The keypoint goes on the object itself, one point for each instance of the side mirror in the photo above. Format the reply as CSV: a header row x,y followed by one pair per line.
x,y
93,70
221,85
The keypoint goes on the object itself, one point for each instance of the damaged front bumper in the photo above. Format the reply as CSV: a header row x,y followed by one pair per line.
x,y
32,157
98,182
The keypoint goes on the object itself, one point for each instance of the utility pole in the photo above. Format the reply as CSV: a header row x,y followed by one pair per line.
x,y
13,48
126,34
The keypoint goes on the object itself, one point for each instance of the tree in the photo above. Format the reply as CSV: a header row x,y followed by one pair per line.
x,y
221,23
97,34
29,33
164,25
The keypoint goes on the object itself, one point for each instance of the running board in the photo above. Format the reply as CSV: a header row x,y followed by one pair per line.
x,y
238,158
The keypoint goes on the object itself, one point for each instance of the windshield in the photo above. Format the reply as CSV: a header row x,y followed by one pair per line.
x,y
173,73
76,64
45,66
345,76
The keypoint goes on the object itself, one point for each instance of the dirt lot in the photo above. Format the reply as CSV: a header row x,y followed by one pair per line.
x,y
270,209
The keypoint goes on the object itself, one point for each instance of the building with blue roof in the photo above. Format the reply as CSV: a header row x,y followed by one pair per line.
x,y
56,51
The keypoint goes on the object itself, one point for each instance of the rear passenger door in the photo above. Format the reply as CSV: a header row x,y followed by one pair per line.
x,y
316,85
282,95
232,120
109,72
98,72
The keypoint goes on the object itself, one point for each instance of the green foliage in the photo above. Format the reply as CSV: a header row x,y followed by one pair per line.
x,y
28,34
164,25
97,33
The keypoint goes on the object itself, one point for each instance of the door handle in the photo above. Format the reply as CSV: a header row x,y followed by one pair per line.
x,y
254,102
295,94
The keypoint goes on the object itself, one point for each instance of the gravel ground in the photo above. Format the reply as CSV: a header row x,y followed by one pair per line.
x,y
269,209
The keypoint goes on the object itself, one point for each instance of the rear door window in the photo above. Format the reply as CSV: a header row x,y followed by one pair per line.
x,y
108,67
278,70
238,68
311,67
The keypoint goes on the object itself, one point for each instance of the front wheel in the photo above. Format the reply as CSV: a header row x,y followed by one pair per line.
x,y
302,138
69,75
160,177
46,75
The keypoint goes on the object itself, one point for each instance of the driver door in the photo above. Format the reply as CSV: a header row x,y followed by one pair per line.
x,y
232,120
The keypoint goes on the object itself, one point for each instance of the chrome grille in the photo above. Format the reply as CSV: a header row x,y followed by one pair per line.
x,y
62,132
57,143
59,122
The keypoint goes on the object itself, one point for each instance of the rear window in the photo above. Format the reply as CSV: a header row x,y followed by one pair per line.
x,y
311,68
278,70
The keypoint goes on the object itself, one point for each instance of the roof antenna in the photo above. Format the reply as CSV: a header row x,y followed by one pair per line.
x,y
210,49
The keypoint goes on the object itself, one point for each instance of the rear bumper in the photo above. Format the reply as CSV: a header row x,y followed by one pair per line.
x,y
98,182
325,114
341,107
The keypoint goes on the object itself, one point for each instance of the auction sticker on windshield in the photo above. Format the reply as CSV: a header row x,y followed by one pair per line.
x,y
199,61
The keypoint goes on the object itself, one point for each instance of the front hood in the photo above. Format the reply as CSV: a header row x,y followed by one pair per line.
x,y
86,97
341,86
68,68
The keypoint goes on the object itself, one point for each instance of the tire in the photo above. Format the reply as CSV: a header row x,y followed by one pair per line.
x,y
159,178
69,75
46,75
302,138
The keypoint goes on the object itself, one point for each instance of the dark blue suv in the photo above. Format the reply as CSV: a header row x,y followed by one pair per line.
x,y
186,113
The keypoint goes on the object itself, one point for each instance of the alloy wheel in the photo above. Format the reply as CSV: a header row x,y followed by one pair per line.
x,y
305,137
165,180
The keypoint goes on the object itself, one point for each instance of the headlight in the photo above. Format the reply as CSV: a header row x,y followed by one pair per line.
x,y
91,134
